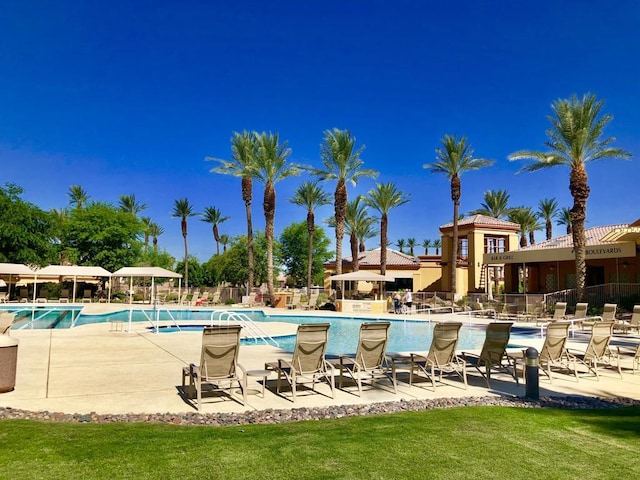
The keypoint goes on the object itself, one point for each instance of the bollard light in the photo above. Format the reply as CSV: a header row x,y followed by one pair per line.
x,y
531,374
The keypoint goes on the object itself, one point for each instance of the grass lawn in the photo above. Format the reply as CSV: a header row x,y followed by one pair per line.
x,y
462,443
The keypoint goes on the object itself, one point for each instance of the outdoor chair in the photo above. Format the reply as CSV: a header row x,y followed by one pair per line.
x,y
553,352
559,313
493,355
308,364
64,296
218,366
608,315
632,324
370,360
86,296
294,301
311,302
6,320
597,351
441,359
634,353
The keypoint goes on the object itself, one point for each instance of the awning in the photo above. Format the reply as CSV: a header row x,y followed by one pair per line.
x,y
363,275
537,255
15,269
74,271
156,272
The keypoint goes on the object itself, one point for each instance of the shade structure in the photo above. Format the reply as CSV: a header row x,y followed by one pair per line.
x,y
153,272
74,271
362,275
12,269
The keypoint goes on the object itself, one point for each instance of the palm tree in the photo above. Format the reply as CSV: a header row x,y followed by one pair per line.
x,y
437,244
384,197
214,216
224,240
426,243
366,230
357,221
454,158
575,139
310,196
564,218
183,209
341,162
155,231
411,243
401,243
269,168
496,204
548,210
128,203
528,222
146,222
243,148
78,196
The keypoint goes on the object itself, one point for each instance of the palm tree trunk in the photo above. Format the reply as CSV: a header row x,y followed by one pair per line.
x,y
216,237
269,215
340,209
384,225
310,228
455,196
353,241
247,187
549,229
580,192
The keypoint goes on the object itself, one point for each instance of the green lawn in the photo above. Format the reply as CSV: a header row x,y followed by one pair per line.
x,y
473,443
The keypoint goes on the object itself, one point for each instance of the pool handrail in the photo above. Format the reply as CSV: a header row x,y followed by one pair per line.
x,y
247,322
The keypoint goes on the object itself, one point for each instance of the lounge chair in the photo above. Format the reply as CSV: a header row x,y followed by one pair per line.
x,y
494,352
554,352
218,363
86,296
559,313
294,301
597,351
23,295
608,315
635,353
632,324
6,320
4,297
308,364
441,358
64,296
370,360
311,302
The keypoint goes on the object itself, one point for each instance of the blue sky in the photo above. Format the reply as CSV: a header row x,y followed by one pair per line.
x,y
130,97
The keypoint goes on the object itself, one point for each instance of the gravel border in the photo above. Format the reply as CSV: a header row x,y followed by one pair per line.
x,y
271,416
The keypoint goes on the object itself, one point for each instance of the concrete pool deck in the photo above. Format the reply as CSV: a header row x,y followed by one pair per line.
x,y
93,368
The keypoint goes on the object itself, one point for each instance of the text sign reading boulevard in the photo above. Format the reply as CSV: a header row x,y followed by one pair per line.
x,y
619,250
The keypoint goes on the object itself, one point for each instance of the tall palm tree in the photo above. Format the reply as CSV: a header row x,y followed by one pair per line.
x,y
78,196
411,243
155,231
128,203
453,158
496,204
270,167
366,230
243,148
437,244
528,222
224,240
426,243
357,221
310,196
384,197
401,244
564,218
341,162
214,216
146,222
575,139
182,209
548,210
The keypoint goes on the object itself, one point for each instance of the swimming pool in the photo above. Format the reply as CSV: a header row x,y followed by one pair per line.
x,y
404,334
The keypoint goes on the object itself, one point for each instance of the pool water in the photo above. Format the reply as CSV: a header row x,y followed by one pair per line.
x,y
404,335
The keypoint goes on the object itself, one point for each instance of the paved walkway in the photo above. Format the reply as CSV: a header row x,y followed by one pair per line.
x,y
93,369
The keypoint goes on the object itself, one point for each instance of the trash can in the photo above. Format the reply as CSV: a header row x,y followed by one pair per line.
x,y
8,362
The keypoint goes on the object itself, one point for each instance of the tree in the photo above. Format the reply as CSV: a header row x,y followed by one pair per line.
x,y
128,203
453,158
365,230
575,139
401,244
100,235
27,233
78,196
426,243
310,196
231,266
496,204
358,224
384,197
243,148
411,243
548,210
214,216
197,273
437,244
565,219
224,240
270,167
154,230
528,222
147,225
182,209
293,250
341,162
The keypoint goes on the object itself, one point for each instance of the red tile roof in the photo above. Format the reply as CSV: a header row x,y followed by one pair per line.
x,y
592,236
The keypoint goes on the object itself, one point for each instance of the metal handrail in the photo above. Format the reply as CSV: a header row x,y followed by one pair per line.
x,y
246,322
